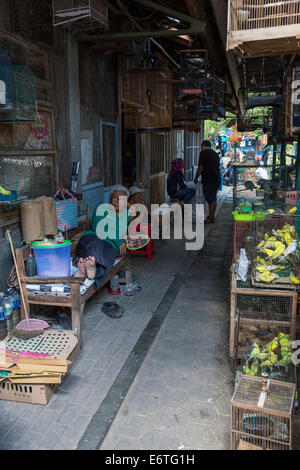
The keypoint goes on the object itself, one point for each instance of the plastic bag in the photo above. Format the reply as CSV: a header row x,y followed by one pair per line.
x,y
242,266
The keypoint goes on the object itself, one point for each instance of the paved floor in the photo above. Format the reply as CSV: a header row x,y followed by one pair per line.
x,y
180,396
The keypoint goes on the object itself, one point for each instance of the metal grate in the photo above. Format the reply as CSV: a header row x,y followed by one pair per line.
x,y
37,135
29,176
31,19
264,307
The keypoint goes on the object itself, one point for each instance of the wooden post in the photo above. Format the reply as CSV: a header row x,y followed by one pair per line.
x,y
274,161
76,310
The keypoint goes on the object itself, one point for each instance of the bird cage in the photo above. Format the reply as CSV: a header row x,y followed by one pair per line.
x,y
253,311
257,28
262,414
242,231
80,14
147,98
18,97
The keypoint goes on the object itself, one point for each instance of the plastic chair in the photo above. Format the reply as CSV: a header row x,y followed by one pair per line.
x,y
149,249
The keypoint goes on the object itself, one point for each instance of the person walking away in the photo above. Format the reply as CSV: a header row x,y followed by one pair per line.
x,y
209,169
176,187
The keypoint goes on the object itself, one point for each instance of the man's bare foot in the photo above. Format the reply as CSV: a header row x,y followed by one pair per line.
x,y
90,266
81,269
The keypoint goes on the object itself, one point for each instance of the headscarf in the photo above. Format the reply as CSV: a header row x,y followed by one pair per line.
x,y
176,165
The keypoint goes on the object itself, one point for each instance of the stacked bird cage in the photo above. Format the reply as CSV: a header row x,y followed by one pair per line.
x,y
258,315
262,414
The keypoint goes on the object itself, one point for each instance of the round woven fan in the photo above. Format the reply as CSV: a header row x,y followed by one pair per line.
x,y
137,242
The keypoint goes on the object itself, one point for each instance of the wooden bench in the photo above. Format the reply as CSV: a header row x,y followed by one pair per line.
x,y
75,301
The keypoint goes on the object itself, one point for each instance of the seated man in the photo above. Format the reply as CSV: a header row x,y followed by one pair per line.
x,y
136,196
97,256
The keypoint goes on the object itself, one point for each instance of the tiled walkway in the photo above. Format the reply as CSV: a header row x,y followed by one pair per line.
x,y
180,397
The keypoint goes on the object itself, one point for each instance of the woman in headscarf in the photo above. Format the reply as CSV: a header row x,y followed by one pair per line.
x,y
176,187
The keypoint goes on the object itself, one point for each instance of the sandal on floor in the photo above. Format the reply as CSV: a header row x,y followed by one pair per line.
x,y
112,309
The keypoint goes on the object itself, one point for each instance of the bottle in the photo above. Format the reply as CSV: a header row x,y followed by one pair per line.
x,y
3,328
8,308
16,308
30,266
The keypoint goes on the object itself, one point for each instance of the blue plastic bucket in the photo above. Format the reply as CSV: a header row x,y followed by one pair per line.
x,y
52,259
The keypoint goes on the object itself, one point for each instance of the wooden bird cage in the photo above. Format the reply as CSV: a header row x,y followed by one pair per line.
x,y
80,14
257,28
262,414
147,98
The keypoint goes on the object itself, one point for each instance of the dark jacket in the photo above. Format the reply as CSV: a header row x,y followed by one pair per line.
x,y
175,183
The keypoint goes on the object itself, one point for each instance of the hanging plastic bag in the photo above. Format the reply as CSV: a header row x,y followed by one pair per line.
x,y
66,210
242,266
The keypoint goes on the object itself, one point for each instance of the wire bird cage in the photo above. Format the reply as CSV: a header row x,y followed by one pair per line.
x,y
80,14
18,98
242,237
249,186
281,230
262,414
258,315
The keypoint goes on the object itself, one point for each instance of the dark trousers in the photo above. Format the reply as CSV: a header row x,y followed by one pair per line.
x,y
185,195
103,252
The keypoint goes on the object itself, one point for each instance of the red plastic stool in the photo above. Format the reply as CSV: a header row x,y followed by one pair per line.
x,y
149,249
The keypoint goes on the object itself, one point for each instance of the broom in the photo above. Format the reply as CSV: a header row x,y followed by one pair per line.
x,y
30,327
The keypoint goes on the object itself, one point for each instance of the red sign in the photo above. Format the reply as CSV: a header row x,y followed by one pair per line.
x,y
39,127
192,92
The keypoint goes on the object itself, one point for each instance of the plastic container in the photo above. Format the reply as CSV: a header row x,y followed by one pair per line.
x,y
9,197
249,217
52,258
3,328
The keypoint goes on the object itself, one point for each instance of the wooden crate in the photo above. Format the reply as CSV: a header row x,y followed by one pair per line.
x,y
262,414
252,306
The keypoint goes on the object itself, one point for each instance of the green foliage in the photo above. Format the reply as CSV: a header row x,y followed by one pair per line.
x,y
212,129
